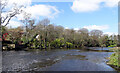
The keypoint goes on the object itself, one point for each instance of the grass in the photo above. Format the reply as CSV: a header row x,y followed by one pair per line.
x,y
114,59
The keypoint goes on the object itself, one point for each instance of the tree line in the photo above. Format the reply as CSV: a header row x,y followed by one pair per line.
x,y
51,36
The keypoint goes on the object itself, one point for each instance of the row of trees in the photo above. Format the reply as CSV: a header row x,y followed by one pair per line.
x,y
51,36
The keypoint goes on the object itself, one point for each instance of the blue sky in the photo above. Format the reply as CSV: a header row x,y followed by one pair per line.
x,y
67,18
76,14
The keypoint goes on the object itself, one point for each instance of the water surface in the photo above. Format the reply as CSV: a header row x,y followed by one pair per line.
x,y
56,60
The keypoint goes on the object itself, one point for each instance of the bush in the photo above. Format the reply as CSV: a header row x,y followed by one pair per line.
x,y
114,59
69,45
58,43
112,45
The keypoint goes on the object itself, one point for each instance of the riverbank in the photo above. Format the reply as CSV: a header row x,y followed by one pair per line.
x,y
114,59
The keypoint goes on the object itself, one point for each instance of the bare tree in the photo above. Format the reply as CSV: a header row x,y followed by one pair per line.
x,y
96,33
26,20
84,31
45,23
8,14
31,24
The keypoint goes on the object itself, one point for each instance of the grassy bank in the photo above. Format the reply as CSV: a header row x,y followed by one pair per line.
x,y
114,58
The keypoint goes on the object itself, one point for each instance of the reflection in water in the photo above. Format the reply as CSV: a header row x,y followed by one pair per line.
x,y
56,60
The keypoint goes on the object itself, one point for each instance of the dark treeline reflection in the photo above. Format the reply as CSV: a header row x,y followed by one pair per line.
x,y
43,35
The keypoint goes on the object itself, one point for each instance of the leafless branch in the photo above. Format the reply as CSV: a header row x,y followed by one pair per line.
x,y
15,10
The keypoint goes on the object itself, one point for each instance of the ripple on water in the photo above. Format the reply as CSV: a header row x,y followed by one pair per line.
x,y
43,63
75,56
53,60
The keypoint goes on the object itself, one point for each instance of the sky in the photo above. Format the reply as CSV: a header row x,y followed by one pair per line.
x,y
73,14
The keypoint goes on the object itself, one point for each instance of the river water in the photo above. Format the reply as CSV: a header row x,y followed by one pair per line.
x,y
56,60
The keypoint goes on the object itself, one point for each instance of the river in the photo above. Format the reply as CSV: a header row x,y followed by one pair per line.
x,y
56,60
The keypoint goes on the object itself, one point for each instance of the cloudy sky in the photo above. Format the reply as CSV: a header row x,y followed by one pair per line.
x,y
73,14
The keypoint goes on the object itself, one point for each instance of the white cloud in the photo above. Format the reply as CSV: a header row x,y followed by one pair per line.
x,y
10,3
111,3
37,11
42,10
66,28
98,27
14,24
111,33
76,29
20,2
85,5
91,5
